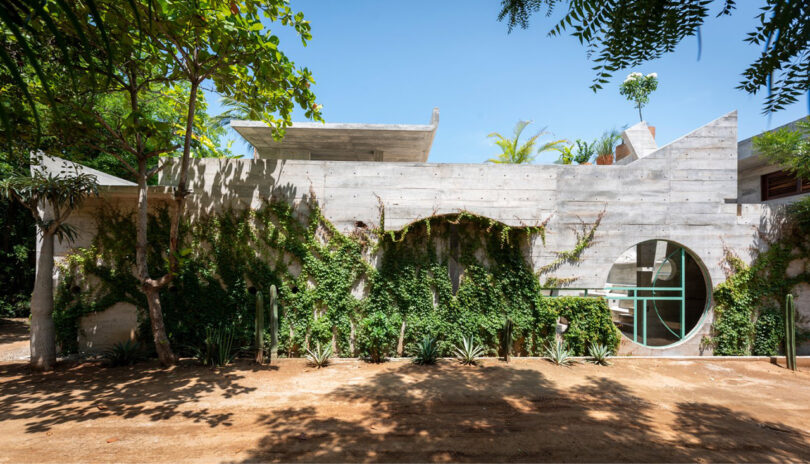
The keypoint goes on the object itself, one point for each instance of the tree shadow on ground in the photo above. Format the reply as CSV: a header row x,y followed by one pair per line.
x,y
13,330
87,392
504,413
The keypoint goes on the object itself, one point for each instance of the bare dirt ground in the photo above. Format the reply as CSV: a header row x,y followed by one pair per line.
x,y
528,410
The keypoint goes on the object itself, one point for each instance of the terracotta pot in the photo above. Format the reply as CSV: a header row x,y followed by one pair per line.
x,y
652,130
622,150
605,159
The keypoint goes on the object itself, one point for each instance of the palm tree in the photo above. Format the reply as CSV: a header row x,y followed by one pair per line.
x,y
514,153
235,110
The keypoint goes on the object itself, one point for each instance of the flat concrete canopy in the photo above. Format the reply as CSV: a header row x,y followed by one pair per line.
x,y
342,141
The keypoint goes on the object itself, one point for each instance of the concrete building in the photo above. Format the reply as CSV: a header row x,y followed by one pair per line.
x,y
667,212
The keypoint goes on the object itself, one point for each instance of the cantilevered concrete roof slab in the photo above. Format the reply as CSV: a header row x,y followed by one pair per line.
x,y
343,142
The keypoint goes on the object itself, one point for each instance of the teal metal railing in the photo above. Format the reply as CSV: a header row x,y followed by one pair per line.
x,y
631,293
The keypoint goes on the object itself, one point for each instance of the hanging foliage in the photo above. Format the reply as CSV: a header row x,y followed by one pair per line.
x,y
370,292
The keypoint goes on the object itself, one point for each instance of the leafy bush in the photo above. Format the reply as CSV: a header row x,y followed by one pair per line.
x,y
600,353
17,253
585,151
558,353
378,335
123,353
319,357
589,321
427,352
469,351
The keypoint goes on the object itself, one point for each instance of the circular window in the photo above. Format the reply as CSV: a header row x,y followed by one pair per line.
x,y
657,292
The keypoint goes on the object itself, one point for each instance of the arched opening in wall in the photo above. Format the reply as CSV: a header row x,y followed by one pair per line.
x,y
657,292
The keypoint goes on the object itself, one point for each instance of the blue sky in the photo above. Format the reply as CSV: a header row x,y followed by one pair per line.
x,y
393,61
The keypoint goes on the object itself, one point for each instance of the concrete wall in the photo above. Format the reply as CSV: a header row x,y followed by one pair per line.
x,y
678,192
99,331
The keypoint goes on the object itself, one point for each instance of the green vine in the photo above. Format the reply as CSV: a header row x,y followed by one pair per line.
x,y
749,319
369,292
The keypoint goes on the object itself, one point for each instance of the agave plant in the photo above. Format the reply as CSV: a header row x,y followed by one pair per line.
x,y
123,353
600,353
217,348
558,353
426,351
468,352
320,356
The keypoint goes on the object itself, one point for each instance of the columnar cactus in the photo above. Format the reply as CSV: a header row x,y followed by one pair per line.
x,y
790,332
273,322
507,338
259,327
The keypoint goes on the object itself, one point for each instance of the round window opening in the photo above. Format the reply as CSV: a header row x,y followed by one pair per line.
x,y
657,293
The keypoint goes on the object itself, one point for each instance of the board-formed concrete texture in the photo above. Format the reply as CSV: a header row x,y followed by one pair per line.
x,y
684,192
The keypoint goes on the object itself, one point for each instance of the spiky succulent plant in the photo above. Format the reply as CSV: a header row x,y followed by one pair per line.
x,y
427,352
469,351
319,357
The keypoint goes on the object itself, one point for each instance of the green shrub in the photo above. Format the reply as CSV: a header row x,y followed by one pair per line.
x,y
589,321
17,256
378,336
321,331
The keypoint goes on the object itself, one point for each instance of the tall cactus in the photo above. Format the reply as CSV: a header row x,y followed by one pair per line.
x,y
790,332
259,327
273,322
508,326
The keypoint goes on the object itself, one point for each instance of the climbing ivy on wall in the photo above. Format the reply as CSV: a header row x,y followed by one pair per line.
x,y
749,317
447,276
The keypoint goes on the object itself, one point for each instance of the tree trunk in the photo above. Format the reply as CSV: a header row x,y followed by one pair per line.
x,y
162,346
43,333
148,286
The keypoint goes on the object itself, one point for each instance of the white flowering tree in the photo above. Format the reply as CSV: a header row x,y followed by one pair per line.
x,y
637,88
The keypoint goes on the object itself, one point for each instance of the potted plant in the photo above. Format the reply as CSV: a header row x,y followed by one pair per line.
x,y
566,155
637,89
585,151
606,145
581,153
